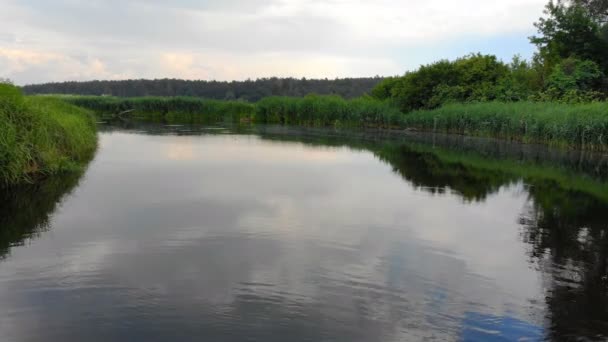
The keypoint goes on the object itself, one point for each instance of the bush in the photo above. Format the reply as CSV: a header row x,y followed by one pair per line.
x,y
471,78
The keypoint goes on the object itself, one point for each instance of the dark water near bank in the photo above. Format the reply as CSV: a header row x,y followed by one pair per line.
x,y
278,234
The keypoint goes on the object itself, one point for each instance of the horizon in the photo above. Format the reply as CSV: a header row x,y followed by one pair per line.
x,y
236,40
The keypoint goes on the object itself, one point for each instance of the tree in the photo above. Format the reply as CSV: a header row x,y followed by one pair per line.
x,y
575,80
569,31
597,8
383,90
249,90
471,78
523,80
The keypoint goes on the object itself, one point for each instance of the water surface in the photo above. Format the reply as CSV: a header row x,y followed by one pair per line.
x,y
277,234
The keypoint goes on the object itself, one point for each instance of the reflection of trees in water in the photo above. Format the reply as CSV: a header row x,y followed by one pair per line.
x,y
566,230
25,211
567,234
426,171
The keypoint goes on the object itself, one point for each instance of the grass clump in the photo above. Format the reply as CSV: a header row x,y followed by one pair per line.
x,y
41,136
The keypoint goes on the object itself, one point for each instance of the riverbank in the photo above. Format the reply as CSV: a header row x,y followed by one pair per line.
x,y
578,126
474,168
41,136
311,110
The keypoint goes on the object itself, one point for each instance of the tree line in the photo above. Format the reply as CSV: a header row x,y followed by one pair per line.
x,y
249,90
570,66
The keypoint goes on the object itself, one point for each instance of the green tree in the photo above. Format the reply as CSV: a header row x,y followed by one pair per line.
x,y
471,78
575,80
523,80
569,31
383,90
597,8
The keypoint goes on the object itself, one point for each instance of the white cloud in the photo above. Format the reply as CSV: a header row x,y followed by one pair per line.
x,y
28,66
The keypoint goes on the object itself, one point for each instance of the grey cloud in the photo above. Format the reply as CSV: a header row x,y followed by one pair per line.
x,y
332,38
107,25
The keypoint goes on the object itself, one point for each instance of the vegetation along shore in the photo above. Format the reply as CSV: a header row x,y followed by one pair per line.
x,y
557,98
41,136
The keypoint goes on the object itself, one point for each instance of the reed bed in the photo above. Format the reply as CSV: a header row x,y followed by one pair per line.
x,y
582,126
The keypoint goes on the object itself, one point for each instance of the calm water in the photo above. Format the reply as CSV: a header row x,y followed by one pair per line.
x,y
276,234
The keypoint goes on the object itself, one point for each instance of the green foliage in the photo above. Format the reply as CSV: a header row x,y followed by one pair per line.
x,y
248,90
569,31
575,74
565,124
471,78
41,136
574,81
570,66
383,90
597,8
169,109
314,110
416,89
522,81
580,126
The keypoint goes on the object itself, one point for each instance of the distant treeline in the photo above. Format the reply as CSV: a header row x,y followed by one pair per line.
x,y
249,90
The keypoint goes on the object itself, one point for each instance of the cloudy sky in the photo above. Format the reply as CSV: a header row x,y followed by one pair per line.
x,y
44,40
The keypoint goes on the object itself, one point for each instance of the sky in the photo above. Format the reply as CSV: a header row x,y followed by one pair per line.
x,y
62,40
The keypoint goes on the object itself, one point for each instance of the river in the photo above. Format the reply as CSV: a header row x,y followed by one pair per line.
x,y
182,233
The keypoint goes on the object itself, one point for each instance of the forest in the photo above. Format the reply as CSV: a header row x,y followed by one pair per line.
x,y
249,90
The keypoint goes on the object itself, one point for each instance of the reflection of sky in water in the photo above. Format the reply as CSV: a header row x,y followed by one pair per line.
x,y
231,236
480,327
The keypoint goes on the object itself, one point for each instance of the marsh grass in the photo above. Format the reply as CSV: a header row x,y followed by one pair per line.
x,y
335,111
41,136
312,110
167,109
582,126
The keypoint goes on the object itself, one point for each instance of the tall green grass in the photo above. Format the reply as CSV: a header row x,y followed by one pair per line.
x,y
311,110
41,136
315,110
169,109
570,125
583,126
